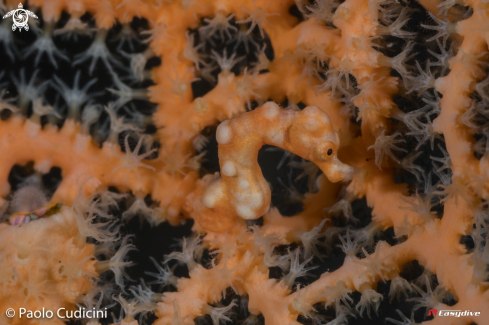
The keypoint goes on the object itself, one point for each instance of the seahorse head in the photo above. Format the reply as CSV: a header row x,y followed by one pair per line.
x,y
313,133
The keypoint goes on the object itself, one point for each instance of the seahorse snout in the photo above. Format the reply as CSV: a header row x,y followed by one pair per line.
x,y
336,171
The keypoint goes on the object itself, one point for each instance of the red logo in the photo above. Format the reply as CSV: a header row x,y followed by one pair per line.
x,y
432,311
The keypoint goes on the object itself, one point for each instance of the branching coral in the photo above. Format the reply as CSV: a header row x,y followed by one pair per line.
x,y
344,119
51,273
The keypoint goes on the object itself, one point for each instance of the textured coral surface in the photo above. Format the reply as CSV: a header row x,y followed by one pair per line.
x,y
318,161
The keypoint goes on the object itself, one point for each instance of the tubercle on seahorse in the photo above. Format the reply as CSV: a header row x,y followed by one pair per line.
x,y
241,191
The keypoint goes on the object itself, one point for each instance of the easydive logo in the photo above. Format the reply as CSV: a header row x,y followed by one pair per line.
x,y
432,312
20,17
453,313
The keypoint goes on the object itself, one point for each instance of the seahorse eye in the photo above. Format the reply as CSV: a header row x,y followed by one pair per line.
x,y
330,152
